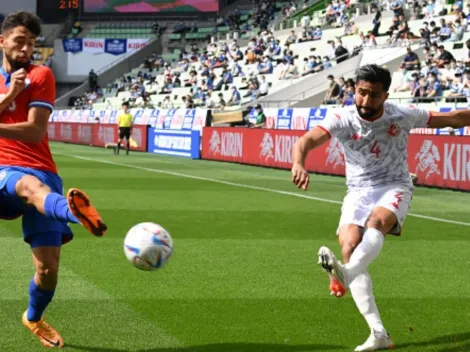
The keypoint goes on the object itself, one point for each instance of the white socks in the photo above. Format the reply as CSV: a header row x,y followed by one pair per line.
x,y
361,291
365,253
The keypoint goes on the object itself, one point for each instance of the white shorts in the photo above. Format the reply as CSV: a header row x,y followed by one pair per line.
x,y
358,205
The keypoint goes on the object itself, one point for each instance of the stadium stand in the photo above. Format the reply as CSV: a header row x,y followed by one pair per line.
x,y
227,75
215,69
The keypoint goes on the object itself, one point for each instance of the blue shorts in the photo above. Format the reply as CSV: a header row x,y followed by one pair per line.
x,y
38,230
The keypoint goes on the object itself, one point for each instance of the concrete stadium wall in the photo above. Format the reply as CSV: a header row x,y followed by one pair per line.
x,y
392,65
109,74
69,67
309,86
7,6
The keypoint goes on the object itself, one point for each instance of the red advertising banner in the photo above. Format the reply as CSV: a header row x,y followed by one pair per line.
x,y
97,135
440,161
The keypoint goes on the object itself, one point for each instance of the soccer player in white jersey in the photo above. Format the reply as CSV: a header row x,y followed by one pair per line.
x,y
374,138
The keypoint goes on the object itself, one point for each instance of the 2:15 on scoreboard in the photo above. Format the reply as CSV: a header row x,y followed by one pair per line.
x,y
69,4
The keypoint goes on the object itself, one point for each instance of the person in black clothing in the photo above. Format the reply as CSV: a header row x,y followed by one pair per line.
x,y
444,57
376,21
341,53
411,60
425,36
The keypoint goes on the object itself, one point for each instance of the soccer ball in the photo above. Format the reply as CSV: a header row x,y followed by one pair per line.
x,y
148,246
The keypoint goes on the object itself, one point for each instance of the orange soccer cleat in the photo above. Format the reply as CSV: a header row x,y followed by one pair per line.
x,y
48,336
80,206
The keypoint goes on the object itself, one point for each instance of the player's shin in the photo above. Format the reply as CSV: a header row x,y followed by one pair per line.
x,y
56,207
361,291
365,253
118,147
39,299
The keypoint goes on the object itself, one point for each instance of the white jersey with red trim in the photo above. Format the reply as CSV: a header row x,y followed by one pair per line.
x,y
375,152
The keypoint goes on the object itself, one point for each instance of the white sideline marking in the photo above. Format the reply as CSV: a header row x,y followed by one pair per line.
x,y
298,195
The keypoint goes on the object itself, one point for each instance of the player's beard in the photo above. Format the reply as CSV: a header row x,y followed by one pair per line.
x,y
368,114
16,64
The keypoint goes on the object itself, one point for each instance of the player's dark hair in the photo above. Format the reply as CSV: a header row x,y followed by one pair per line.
x,y
22,19
126,104
374,74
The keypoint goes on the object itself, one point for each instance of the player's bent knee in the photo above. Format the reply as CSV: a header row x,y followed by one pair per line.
x,y
29,187
349,237
381,223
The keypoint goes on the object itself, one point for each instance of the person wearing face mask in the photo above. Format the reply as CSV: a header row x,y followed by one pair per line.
x,y
265,66
327,63
456,94
457,31
425,36
434,88
333,92
419,90
310,66
332,49
444,58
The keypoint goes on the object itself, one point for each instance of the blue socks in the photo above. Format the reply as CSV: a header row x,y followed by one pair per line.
x,y
56,207
39,299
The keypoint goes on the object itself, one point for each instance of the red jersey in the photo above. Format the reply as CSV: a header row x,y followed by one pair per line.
x,y
39,92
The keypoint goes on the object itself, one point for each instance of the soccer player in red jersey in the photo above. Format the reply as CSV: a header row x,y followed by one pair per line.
x,y
29,184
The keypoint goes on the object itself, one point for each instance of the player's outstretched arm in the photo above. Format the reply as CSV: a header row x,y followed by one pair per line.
x,y
309,141
454,119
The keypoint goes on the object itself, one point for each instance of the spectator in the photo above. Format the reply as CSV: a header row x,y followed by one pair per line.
x,y
260,117
445,31
92,80
457,31
235,99
263,87
341,53
434,88
377,20
411,60
333,92
444,58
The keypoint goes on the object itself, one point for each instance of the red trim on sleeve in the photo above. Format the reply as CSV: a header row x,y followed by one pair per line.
x,y
324,129
430,118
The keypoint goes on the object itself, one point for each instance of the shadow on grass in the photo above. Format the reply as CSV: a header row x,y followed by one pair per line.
x,y
224,347
442,340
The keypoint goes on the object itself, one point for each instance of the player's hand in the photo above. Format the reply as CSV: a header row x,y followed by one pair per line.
x,y
300,176
17,83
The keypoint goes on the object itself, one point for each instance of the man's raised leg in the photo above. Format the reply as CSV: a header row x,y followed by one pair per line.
x,y
361,290
75,208
42,288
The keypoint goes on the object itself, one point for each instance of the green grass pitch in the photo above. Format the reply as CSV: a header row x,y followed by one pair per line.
x,y
243,277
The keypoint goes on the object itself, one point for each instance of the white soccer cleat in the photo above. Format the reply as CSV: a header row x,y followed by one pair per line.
x,y
335,270
377,340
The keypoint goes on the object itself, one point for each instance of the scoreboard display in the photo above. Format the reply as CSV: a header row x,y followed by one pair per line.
x,y
56,11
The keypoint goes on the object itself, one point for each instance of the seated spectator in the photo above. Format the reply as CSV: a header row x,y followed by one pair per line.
x,y
457,31
445,31
444,58
333,92
456,94
210,103
263,89
411,60
292,38
434,88
348,96
221,104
